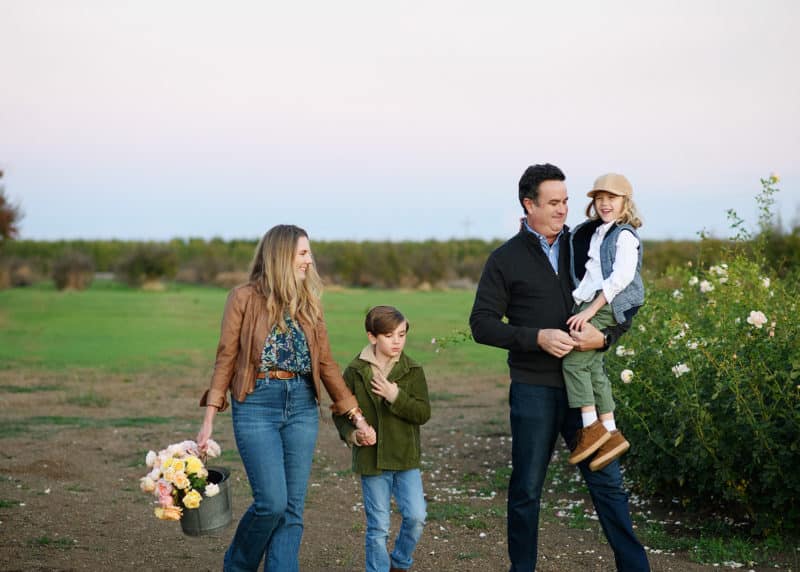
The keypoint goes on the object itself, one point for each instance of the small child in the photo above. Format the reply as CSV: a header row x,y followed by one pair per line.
x,y
609,291
393,395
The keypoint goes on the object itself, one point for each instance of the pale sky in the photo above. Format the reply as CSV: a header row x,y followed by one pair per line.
x,y
389,120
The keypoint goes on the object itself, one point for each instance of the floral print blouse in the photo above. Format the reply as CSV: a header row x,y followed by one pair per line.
x,y
286,350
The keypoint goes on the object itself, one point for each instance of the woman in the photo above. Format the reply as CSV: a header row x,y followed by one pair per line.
x,y
272,355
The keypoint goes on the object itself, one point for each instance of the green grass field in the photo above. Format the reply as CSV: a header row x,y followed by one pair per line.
x,y
116,329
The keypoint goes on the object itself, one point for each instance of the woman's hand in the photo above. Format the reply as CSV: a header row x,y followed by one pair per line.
x,y
385,388
206,428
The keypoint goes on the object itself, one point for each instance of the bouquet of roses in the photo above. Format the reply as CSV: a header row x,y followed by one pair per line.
x,y
178,478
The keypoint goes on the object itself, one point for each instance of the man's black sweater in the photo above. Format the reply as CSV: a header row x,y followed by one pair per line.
x,y
519,283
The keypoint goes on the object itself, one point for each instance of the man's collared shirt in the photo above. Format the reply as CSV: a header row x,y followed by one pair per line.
x,y
550,250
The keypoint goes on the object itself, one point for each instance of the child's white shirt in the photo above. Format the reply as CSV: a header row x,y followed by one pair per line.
x,y
622,274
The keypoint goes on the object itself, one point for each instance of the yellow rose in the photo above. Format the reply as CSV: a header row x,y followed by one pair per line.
x,y
180,480
192,499
178,465
169,513
193,465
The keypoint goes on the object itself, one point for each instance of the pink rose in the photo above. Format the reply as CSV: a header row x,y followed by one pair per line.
x,y
164,493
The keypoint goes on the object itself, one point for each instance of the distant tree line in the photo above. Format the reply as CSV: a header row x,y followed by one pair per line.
x,y
430,263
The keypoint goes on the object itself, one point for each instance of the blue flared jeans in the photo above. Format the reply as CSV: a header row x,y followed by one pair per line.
x,y
406,487
538,415
276,432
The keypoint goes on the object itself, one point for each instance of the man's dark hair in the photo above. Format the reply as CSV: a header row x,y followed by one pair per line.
x,y
533,177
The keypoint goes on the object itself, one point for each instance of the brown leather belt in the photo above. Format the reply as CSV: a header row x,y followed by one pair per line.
x,y
276,374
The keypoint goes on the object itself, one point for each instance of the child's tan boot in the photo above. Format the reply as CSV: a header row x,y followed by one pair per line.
x,y
589,440
612,449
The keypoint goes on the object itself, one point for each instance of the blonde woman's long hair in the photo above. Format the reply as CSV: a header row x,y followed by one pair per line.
x,y
629,215
273,276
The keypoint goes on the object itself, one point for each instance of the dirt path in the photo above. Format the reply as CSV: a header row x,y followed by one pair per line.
x,y
72,451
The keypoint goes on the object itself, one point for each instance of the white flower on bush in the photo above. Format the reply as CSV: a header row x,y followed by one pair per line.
x,y
756,319
677,294
765,282
721,271
693,280
706,286
642,328
626,376
692,345
212,489
680,369
620,351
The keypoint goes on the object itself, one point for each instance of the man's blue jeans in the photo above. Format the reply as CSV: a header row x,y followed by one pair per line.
x,y
538,415
276,432
406,486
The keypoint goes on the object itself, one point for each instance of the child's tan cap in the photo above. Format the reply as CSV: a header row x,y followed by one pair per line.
x,y
613,183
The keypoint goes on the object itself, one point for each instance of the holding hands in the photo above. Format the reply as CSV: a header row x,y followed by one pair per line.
x,y
364,433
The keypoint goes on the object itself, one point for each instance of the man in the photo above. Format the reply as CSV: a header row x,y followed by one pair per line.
x,y
527,281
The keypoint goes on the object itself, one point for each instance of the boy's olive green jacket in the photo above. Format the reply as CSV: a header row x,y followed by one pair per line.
x,y
396,424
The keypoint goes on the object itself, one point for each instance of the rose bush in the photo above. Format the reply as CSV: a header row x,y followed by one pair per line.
x,y
712,409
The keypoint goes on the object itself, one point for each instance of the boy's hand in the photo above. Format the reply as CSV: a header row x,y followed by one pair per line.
x,y
577,321
364,437
364,433
385,388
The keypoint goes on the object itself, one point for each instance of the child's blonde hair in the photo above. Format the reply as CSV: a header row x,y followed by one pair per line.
x,y
629,215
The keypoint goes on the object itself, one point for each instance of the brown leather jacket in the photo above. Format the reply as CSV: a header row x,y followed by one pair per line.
x,y
241,341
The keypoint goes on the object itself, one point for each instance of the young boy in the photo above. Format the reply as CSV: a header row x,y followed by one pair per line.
x,y
393,395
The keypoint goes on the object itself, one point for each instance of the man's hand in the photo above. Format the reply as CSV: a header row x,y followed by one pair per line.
x,y
589,338
555,342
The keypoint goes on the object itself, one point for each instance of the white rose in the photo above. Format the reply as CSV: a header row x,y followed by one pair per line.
x,y
147,484
757,319
626,376
212,489
213,449
150,459
680,369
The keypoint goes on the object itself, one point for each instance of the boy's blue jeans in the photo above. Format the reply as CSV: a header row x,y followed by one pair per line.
x,y
538,415
276,432
406,486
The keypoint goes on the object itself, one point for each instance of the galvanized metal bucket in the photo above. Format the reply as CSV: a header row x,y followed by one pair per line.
x,y
214,513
